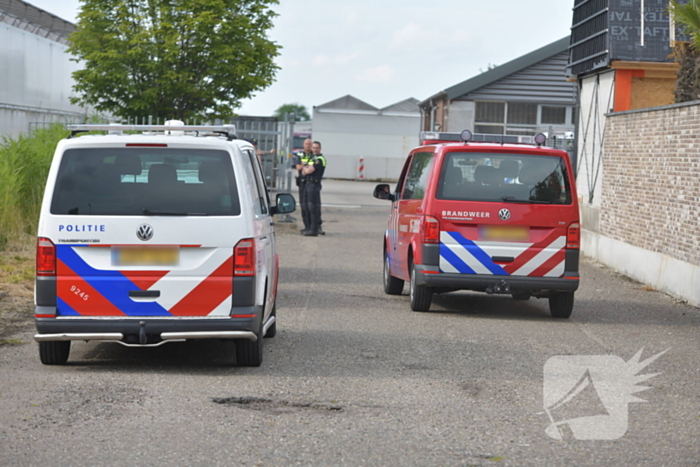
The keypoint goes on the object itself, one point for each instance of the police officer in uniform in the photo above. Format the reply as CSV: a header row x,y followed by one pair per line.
x,y
301,159
312,190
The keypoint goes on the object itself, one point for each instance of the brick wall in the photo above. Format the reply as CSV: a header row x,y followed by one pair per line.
x,y
651,181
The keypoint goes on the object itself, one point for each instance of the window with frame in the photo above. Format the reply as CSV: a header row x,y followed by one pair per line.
x,y
522,113
258,190
489,117
510,178
490,112
418,175
553,115
145,181
402,178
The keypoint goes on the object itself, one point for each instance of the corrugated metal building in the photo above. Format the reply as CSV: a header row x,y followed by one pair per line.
x,y
350,129
35,70
522,97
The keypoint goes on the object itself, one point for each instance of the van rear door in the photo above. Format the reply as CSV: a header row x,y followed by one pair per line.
x,y
504,214
145,231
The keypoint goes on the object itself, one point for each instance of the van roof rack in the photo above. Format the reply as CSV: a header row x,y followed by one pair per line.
x,y
432,137
229,131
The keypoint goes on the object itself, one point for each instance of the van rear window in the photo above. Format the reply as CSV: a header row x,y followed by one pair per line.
x,y
517,178
145,181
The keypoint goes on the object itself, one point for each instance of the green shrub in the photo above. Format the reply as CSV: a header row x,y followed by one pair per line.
x,y
24,166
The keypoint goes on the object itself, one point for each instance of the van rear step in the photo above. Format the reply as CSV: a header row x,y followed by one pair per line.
x,y
165,337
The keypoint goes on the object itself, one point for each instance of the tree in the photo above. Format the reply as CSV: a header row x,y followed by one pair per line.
x,y
300,112
687,54
687,14
172,59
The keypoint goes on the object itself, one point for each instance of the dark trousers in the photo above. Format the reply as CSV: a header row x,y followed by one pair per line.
x,y
312,199
302,203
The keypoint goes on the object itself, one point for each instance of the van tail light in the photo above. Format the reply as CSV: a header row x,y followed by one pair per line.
x,y
431,230
45,257
573,236
244,258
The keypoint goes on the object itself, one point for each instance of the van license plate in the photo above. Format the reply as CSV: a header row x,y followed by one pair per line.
x,y
502,233
145,256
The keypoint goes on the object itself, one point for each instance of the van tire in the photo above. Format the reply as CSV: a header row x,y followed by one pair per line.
x,y
421,295
249,353
392,285
54,352
561,304
272,330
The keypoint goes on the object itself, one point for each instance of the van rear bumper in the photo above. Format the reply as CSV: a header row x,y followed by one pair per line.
x,y
493,283
148,330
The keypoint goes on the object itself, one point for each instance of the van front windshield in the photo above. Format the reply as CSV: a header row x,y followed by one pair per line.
x,y
516,178
141,181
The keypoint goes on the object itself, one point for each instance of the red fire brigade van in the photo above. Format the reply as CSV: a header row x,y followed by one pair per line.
x,y
493,217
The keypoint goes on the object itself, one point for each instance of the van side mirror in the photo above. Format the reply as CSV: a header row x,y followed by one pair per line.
x,y
382,191
285,204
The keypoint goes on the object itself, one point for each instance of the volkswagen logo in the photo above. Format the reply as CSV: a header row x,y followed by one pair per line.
x,y
504,214
144,232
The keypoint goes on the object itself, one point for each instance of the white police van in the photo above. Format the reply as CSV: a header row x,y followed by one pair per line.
x,y
155,237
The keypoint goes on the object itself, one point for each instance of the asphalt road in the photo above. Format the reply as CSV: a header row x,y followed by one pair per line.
x,y
354,377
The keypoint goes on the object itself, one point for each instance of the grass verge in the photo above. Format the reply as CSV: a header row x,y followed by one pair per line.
x,y
24,165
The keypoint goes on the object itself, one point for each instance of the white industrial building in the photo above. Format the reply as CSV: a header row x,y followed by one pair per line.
x,y
350,130
35,70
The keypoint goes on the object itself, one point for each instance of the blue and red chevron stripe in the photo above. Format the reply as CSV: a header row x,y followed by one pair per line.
x,y
83,290
545,258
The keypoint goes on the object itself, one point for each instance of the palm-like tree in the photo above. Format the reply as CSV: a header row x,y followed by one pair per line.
x,y
687,15
687,54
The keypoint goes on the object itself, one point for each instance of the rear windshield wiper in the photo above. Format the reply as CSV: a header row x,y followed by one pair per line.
x,y
511,199
148,212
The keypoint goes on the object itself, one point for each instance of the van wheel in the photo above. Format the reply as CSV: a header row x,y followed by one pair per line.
x,y
54,352
561,304
272,330
421,295
249,353
392,285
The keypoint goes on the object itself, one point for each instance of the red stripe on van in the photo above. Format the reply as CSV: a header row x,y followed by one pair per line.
x,y
144,279
531,252
550,264
69,286
208,294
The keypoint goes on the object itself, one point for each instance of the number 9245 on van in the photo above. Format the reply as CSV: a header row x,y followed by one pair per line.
x,y
156,237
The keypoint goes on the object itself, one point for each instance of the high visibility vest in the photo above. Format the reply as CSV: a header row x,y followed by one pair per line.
x,y
304,158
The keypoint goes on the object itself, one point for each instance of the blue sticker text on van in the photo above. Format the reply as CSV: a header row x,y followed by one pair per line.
x,y
81,228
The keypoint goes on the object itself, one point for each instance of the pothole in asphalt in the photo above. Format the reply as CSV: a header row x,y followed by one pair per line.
x,y
276,405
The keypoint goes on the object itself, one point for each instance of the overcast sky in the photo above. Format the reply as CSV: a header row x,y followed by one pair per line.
x,y
385,51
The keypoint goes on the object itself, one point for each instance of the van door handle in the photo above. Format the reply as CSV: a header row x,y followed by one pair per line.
x,y
502,259
144,293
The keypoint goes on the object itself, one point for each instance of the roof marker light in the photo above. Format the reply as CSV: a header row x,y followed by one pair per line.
x,y
540,139
466,136
174,123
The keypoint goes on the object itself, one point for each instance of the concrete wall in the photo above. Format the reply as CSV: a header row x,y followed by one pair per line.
x,y
383,140
461,116
35,81
649,223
